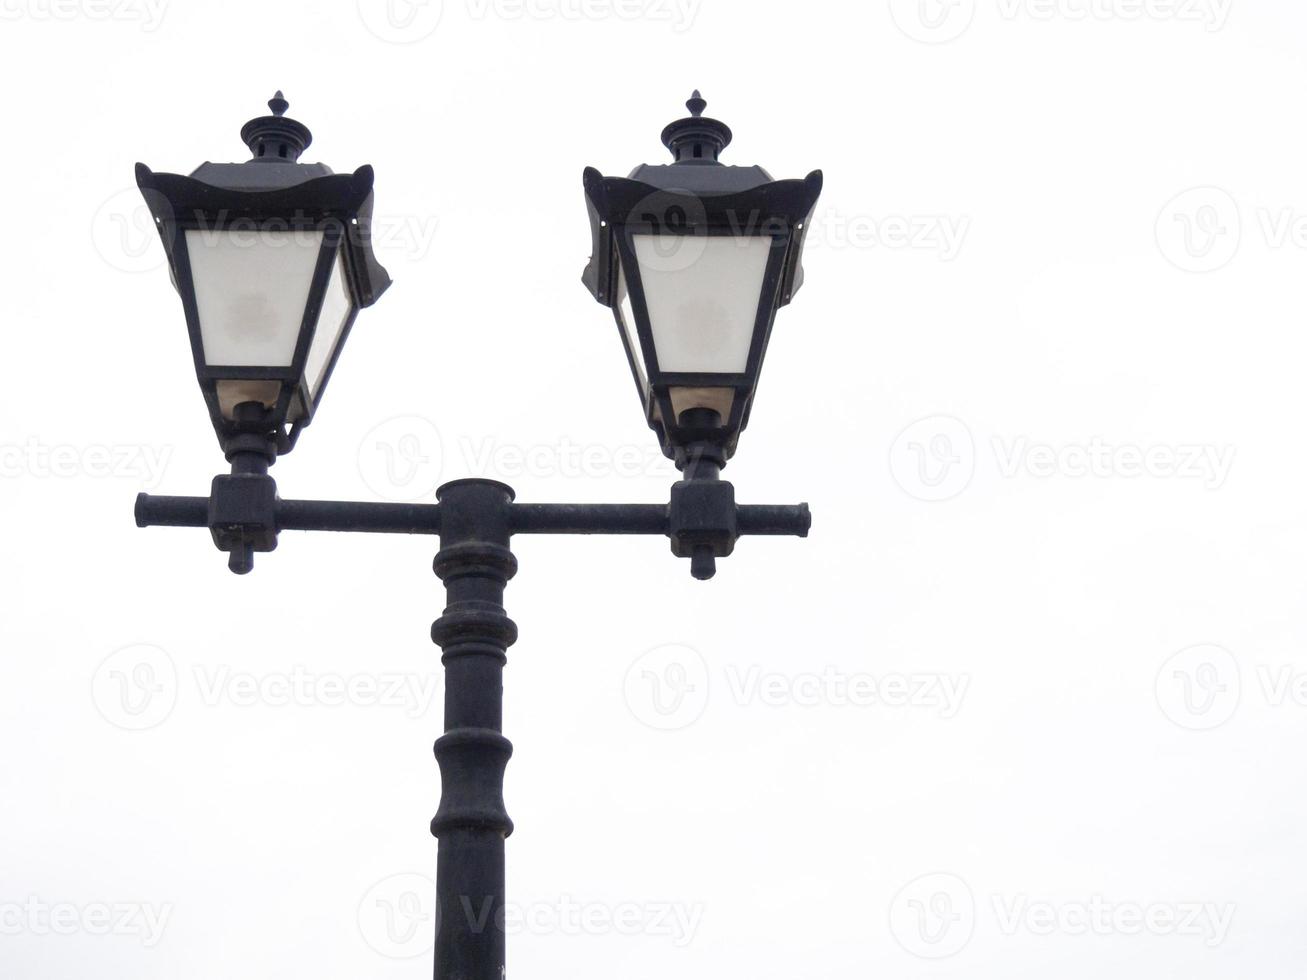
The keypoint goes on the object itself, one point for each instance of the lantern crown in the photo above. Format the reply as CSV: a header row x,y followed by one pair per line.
x,y
696,143
276,137
696,140
276,143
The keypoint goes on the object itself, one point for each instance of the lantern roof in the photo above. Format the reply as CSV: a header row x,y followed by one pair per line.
x,y
273,185
696,143
276,142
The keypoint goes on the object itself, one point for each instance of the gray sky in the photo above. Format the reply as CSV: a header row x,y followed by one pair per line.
x,y
1027,703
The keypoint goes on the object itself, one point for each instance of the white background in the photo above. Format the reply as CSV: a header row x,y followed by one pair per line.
x,y
1042,388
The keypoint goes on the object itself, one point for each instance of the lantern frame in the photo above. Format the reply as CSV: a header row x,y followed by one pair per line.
x,y
261,196
695,197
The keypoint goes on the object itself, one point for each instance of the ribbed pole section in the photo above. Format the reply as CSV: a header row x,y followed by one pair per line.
x,y
475,563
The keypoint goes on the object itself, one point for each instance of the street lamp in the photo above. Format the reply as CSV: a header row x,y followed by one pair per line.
x,y
695,257
272,259
267,325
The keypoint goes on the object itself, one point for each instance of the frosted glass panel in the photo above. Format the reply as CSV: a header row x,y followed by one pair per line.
x,y
336,308
251,288
703,304
626,316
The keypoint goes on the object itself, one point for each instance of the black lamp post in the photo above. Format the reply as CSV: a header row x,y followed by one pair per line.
x,y
272,260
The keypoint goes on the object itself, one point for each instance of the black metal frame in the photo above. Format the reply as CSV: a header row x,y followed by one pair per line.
x,y
695,197
475,521
270,193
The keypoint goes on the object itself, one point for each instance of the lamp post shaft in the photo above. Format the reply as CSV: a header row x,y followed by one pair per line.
x,y
475,564
476,520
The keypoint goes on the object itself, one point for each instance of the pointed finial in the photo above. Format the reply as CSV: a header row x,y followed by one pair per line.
x,y
276,138
696,139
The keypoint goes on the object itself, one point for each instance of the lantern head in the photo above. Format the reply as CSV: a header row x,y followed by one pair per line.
x,y
273,260
695,258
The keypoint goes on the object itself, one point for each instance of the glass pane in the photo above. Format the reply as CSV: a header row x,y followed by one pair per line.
x,y
626,317
336,308
703,294
251,288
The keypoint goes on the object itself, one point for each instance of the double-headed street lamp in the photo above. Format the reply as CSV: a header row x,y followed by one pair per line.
x,y
273,260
